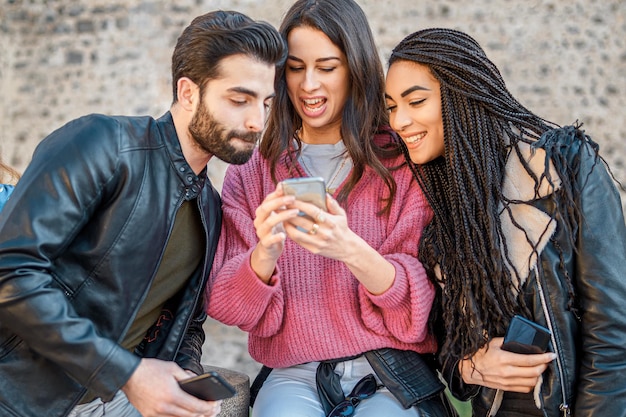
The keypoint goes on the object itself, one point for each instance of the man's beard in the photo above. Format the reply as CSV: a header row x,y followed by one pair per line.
x,y
213,138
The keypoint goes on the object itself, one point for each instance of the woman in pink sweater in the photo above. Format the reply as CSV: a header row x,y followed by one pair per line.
x,y
333,297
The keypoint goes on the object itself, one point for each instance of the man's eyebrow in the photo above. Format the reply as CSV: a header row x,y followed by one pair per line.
x,y
248,92
244,90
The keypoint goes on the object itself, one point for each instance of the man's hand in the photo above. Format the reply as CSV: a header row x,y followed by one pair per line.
x,y
154,391
500,369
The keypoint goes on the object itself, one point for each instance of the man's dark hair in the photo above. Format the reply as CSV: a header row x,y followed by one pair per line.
x,y
220,34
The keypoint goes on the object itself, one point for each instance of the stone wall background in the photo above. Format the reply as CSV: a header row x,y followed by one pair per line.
x,y
60,59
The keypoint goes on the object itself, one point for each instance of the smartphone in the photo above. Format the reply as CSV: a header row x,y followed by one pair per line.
x,y
309,189
525,336
209,387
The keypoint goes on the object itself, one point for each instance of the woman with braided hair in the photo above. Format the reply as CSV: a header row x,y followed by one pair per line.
x,y
527,221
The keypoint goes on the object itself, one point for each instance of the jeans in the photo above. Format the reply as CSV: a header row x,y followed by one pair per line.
x,y
291,392
117,407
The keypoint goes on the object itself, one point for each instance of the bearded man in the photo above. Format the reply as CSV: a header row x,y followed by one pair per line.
x,y
108,238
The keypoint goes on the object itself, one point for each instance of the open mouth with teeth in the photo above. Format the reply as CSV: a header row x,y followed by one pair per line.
x,y
314,105
415,138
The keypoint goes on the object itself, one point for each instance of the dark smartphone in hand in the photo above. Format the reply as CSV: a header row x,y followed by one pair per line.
x,y
209,387
525,336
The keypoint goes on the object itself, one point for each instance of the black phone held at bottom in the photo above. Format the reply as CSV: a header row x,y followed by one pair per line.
x,y
209,387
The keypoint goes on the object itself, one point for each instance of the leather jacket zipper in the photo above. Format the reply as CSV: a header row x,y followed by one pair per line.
x,y
497,399
564,407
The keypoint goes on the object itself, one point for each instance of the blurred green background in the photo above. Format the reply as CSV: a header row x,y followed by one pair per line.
x,y
464,408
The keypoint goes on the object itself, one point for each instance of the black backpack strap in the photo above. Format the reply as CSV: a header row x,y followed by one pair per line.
x,y
258,383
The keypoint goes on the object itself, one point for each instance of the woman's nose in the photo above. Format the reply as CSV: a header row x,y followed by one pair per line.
x,y
399,120
310,81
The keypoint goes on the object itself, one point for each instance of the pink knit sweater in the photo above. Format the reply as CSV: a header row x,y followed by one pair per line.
x,y
314,308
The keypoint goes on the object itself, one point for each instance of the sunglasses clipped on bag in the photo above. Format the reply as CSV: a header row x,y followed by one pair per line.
x,y
364,389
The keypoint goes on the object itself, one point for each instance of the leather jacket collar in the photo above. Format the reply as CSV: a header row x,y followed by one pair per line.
x,y
193,183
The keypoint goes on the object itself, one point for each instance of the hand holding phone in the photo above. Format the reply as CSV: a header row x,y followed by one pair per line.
x,y
309,189
209,387
525,336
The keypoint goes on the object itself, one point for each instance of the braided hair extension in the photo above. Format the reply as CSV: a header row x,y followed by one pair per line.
x,y
483,123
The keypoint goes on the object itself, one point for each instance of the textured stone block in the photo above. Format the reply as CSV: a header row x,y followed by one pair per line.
x,y
239,405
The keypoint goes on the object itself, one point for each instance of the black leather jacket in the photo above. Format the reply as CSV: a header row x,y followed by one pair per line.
x,y
588,378
80,241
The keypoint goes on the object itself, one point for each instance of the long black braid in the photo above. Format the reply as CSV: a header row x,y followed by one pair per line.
x,y
483,123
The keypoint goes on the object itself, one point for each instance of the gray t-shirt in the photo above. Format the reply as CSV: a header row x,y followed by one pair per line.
x,y
329,161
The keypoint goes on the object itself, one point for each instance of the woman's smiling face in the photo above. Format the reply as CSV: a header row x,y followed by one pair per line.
x,y
317,78
414,103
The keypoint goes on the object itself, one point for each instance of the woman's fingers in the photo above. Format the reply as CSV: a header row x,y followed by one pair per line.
x,y
272,212
500,369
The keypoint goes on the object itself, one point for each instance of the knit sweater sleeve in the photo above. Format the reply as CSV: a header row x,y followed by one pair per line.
x,y
235,295
402,311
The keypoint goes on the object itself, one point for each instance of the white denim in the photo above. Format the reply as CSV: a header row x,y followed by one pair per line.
x,y
291,392
117,407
